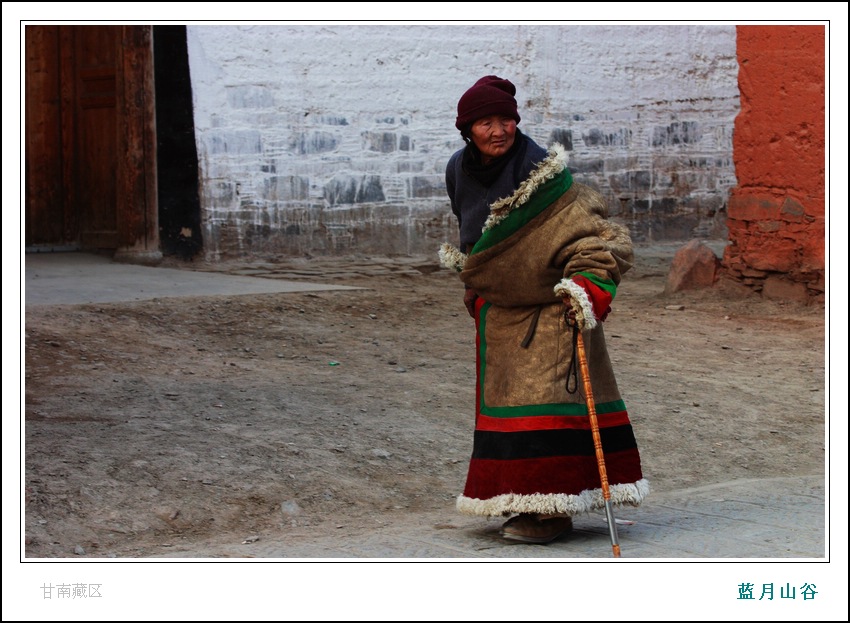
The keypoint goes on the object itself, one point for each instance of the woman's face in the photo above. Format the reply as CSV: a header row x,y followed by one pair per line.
x,y
493,135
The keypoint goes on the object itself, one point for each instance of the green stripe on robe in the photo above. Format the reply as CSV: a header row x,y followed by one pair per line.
x,y
516,219
604,284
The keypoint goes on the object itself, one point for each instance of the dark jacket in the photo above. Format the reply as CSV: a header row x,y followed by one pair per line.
x,y
471,200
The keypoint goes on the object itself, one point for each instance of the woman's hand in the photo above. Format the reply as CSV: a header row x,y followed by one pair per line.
x,y
570,311
469,298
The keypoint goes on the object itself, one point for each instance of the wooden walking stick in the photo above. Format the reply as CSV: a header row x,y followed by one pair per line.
x,y
597,439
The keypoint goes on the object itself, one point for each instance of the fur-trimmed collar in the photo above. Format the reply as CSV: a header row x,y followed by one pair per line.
x,y
555,162
549,167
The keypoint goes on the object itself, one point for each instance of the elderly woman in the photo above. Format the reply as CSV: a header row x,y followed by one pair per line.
x,y
539,260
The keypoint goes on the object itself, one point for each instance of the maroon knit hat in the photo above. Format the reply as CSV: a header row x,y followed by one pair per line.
x,y
489,96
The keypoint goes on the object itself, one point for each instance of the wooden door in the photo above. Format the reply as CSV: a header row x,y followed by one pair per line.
x,y
48,219
90,138
91,83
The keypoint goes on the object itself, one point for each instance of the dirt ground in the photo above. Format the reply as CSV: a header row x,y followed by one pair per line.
x,y
182,422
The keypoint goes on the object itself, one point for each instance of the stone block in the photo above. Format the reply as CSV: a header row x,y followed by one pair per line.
x,y
235,142
250,96
220,192
383,142
564,137
756,274
678,133
332,120
640,206
407,166
694,266
640,181
619,163
792,210
673,227
780,288
769,226
814,250
753,207
370,190
665,206
595,165
341,190
598,138
422,187
771,254
316,142
286,188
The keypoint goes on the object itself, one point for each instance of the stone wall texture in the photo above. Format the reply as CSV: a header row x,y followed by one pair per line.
x,y
333,139
777,227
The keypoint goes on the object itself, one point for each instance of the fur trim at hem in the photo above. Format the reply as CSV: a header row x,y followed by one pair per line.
x,y
577,294
554,503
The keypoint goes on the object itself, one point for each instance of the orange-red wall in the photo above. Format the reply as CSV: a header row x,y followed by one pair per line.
x,y
776,212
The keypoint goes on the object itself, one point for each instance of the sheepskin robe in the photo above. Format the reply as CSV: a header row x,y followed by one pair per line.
x,y
533,449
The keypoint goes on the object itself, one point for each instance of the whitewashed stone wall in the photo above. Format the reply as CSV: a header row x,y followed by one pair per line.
x,y
333,139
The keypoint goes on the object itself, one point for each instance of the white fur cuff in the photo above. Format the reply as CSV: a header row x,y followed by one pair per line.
x,y
451,257
580,302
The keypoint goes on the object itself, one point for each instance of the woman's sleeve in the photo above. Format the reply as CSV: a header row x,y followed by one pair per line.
x,y
450,189
594,264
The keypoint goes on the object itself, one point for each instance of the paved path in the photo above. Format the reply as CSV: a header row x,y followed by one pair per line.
x,y
744,519
773,518
78,278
